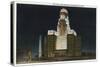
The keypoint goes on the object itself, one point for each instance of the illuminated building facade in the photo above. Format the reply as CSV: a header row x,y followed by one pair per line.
x,y
61,43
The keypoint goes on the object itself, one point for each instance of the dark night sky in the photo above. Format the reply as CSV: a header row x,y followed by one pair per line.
x,y
33,20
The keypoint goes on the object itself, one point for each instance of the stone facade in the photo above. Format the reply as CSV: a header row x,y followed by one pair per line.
x,y
73,49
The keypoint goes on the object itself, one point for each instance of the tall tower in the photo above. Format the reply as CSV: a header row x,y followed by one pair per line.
x,y
61,43
62,26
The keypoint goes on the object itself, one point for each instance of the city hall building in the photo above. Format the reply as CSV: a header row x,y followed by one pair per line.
x,y
61,43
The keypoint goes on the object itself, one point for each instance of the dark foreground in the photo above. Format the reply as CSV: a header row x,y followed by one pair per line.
x,y
84,56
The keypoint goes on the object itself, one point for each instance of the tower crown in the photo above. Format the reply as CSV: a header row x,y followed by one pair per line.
x,y
63,13
63,10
